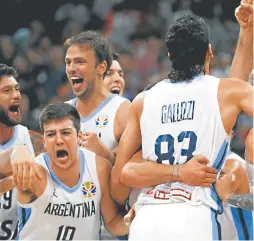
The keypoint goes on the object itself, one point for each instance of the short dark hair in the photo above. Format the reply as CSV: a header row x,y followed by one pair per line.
x,y
6,70
187,41
59,111
98,43
115,56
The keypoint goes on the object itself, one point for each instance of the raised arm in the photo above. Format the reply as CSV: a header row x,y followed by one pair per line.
x,y
29,178
245,98
113,220
243,59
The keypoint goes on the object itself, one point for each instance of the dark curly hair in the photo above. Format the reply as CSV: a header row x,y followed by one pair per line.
x,y
98,43
187,41
6,70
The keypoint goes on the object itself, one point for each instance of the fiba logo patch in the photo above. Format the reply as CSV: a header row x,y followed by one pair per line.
x,y
88,189
101,121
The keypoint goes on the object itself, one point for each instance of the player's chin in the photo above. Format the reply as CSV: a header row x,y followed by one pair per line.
x,y
15,120
62,164
81,93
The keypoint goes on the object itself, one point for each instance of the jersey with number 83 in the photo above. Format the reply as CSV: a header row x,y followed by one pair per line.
x,y
179,121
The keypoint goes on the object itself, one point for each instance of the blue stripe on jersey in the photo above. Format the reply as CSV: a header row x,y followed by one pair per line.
x,y
218,164
243,221
219,161
216,227
12,140
58,181
24,215
100,107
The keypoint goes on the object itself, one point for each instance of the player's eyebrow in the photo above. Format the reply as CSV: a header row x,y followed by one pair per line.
x,y
64,129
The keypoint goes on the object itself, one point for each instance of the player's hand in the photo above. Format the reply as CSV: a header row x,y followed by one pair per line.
x,y
130,215
196,172
92,142
244,14
23,167
6,184
223,186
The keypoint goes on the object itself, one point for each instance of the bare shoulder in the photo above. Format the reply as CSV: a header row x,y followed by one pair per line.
x,y
127,105
137,104
234,84
103,166
123,109
234,87
120,121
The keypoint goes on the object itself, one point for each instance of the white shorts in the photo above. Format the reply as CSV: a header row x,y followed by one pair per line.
x,y
175,221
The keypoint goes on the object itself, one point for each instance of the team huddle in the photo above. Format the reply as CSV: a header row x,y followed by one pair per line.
x,y
158,168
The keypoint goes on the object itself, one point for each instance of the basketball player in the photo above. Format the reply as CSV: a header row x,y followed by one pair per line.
x,y
60,206
236,223
171,121
103,115
11,132
114,79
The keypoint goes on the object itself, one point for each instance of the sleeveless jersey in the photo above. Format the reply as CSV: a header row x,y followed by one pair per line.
x,y
61,212
236,223
8,201
101,121
179,121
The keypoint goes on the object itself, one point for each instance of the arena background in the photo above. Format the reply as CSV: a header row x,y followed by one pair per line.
x,y
32,33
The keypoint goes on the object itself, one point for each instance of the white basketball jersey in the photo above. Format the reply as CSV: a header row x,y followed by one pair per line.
x,y
61,212
8,201
236,223
101,121
179,121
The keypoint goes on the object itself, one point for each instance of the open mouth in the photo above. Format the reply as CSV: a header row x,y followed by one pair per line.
x,y
115,90
77,82
62,154
14,109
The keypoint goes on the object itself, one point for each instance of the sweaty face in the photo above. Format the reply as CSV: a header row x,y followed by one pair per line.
x,y
10,99
113,80
61,142
81,69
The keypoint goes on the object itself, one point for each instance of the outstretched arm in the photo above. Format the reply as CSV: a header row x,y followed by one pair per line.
x,y
141,173
243,59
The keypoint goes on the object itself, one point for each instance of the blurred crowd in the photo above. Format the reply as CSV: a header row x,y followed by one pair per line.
x,y
136,30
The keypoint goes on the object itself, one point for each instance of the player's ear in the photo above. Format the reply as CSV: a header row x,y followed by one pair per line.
x,y
80,137
210,51
43,141
102,67
168,54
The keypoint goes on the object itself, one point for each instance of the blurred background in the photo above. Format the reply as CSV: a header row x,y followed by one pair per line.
x,y
32,33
